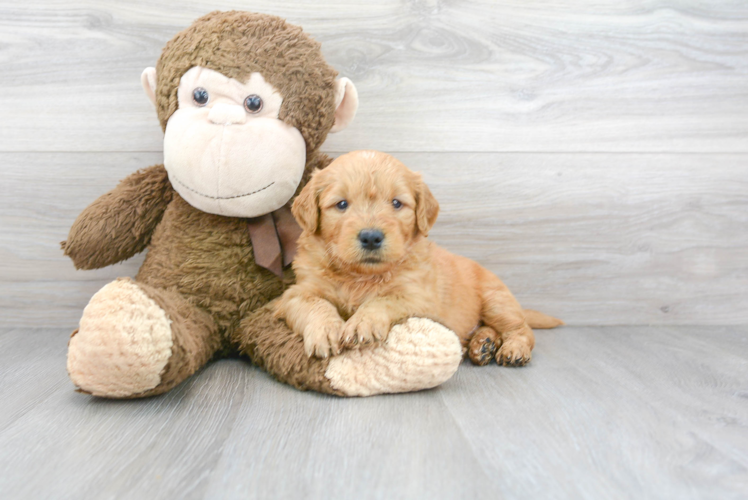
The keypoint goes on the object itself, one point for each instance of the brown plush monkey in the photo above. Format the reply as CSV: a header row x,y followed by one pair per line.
x,y
245,101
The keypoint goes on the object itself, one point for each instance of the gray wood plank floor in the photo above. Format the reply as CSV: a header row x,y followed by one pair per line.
x,y
601,412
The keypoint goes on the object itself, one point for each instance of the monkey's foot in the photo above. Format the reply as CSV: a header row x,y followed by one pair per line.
x,y
123,344
418,354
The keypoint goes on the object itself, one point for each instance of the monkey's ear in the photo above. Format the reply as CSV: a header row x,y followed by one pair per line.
x,y
148,80
305,207
427,208
346,104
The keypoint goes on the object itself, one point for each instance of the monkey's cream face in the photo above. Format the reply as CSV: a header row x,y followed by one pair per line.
x,y
226,150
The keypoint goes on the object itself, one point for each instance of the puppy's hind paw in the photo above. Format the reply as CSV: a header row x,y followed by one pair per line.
x,y
514,352
483,346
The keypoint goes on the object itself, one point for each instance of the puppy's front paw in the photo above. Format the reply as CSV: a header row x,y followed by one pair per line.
x,y
514,352
364,329
323,339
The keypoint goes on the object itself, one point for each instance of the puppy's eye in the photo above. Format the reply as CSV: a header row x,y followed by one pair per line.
x,y
397,204
200,96
342,205
253,103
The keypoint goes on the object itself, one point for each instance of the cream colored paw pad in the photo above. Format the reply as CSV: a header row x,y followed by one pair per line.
x,y
419,354
123,343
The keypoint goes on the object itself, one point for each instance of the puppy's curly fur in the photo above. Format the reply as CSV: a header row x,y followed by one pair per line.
x,y
351,289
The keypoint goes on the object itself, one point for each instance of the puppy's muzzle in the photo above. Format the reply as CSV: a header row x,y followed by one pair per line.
x,y
371,239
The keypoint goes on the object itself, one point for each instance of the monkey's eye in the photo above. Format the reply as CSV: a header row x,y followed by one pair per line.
x,y
397,204
342,205
200,96
253,103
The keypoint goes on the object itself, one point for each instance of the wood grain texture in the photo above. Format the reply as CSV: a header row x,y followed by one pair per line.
x,y
592,238
600,413
641,75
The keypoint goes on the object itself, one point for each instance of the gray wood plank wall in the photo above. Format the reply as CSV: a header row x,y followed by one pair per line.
x,y
594,155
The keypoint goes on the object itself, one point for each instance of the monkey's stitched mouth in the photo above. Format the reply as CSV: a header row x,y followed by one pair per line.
x,y
221,197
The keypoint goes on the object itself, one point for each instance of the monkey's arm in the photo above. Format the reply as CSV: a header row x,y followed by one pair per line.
x,y
119,223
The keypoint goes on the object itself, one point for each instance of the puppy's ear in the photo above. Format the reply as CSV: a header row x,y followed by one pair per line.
x,y
305,207
427,208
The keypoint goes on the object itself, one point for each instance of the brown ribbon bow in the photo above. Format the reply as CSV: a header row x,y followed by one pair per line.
x,y
274,238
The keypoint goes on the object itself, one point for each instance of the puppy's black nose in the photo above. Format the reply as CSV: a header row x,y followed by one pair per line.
x,y
371,239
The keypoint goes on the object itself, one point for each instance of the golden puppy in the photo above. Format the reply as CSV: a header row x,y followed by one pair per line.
x,y
364,263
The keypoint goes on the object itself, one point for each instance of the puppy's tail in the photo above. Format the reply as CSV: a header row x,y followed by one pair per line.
x,y
538,320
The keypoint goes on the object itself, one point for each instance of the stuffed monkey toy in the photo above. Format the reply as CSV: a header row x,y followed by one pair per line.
x,y
245,101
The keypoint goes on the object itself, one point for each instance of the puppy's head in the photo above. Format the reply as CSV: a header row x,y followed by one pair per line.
x,y
367,208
